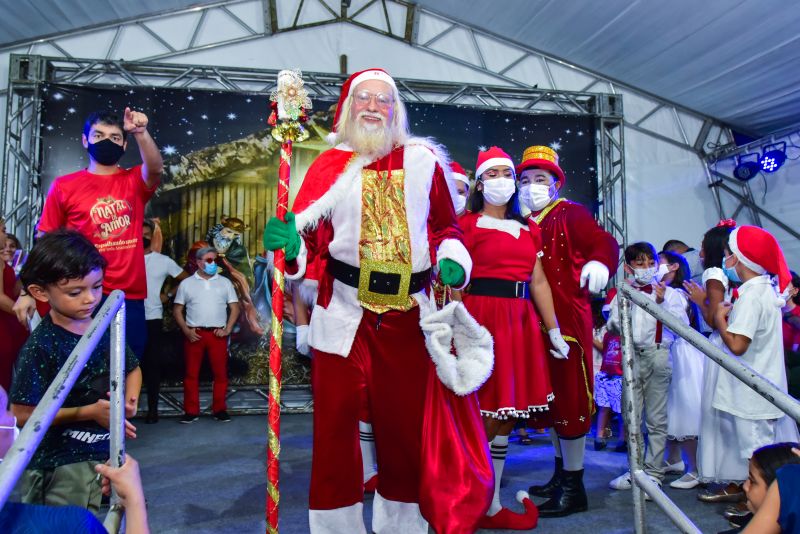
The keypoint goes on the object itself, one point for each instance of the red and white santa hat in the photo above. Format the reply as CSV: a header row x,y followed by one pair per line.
x,y
349,87
759,251
492,157
457,172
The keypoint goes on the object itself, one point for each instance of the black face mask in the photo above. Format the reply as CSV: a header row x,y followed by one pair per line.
x,y
146,242
106,152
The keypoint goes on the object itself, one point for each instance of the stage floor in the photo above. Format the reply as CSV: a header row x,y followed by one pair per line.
x,y
209,477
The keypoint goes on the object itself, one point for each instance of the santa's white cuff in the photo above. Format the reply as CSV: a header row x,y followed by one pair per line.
x,y
301,259
453,249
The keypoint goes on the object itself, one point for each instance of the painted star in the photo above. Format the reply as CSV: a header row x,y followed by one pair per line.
x,y
71,110
58,96
190,98
189,132
580,133
568,131
482,148
204,117
231,116
555,145
507,120
169,150
248,100
524,129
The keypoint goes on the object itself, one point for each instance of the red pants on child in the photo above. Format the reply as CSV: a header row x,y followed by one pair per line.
x,y
217,348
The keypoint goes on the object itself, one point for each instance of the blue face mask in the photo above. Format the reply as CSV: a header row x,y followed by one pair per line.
x,y
210,269
730,272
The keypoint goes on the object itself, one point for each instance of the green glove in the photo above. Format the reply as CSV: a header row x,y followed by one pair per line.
x,y
451,273
279,234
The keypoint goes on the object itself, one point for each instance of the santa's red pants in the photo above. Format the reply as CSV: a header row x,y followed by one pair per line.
x,y
388,364
217,348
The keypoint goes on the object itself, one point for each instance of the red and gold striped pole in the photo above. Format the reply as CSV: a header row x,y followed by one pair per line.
x,y
290,102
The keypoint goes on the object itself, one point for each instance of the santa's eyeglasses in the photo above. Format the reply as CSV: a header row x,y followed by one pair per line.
x,y
381,99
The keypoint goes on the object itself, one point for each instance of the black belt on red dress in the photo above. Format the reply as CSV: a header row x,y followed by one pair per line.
x,y
383,283
495,287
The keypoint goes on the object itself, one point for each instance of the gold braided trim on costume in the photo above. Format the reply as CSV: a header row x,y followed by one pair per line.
x,y
539,218
589,394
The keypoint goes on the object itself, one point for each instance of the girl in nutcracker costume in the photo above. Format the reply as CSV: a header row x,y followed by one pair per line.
x,y
506,273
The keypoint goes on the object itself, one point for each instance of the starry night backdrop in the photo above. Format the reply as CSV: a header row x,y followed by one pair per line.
x,y
183,121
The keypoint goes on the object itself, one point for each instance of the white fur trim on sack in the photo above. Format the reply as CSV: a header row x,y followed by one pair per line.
x,y
472,365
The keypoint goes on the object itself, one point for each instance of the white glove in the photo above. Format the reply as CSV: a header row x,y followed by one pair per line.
x,y
302,340
596,274
560,346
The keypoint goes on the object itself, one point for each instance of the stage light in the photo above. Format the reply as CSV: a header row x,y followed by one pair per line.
x,y
774,156
747,167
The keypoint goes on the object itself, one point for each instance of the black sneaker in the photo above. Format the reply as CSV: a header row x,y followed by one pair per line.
x,y
188,419
222,416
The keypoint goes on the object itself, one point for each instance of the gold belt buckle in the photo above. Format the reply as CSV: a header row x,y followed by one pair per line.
x,y
374,289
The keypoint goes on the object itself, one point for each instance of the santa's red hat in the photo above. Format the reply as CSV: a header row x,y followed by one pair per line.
x,y
491,158
542,157
759,251
352,82
458,173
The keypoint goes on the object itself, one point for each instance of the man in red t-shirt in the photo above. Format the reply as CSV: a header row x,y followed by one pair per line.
x,y
106,204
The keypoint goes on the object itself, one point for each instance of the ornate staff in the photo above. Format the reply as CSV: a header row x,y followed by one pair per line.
x,y
289,104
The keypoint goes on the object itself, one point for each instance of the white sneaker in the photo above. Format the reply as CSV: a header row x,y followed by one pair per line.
x,y
687,481
677,468
622,482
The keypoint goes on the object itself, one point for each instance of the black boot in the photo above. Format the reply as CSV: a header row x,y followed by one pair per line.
x,y
569,499
549,489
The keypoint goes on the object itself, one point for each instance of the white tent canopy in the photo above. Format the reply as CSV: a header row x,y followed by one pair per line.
x,y
685,69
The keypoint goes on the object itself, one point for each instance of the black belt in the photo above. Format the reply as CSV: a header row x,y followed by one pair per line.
x,y
494,287
379,282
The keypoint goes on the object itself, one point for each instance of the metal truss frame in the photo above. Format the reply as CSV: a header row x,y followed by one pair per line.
x,y
241,400
21,182
740,191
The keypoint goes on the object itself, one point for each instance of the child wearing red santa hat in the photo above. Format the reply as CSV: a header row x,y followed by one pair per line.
x,y
751,329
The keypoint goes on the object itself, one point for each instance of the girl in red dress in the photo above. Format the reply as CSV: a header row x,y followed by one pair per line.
x,y
505,275
14,334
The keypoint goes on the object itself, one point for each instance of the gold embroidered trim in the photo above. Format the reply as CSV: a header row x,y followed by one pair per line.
x,y
539,218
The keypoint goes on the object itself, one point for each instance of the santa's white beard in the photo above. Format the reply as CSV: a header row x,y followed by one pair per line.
x,y
375,141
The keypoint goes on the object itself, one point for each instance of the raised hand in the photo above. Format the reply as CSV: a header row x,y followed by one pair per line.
x,y
134,122
696,292
660,289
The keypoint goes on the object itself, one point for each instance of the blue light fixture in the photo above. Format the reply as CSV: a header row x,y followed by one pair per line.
x,y
747,167
773,158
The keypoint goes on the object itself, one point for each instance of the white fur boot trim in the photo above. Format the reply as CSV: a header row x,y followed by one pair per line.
x,y
347,520
394,517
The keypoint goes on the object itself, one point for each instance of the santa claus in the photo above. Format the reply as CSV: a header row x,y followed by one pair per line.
x,y
368,215
579,256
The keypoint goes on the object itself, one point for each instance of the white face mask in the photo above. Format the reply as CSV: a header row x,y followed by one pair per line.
x,y
663,270
459,203
498,191
538,196
644,277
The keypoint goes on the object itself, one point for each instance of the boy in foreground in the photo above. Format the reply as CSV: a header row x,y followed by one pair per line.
x,y
65,270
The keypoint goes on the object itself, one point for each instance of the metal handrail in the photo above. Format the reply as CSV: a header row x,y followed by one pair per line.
x,y
111,313
735,366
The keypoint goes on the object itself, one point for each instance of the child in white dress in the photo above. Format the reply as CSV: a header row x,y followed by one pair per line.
x,y
683,416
